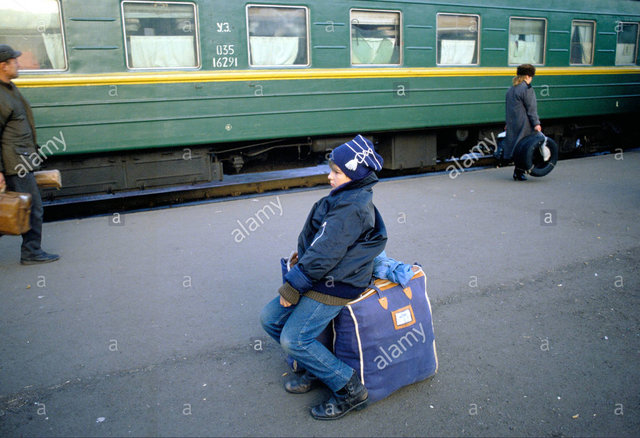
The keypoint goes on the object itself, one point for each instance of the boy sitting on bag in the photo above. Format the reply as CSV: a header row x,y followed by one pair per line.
x,y
342,235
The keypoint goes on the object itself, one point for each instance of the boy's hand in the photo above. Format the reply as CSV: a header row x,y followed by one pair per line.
x,y
289,296
293,259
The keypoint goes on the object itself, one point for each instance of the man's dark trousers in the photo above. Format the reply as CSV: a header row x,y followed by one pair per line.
x,y
32,239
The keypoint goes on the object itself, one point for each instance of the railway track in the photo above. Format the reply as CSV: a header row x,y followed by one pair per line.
x,y
231,186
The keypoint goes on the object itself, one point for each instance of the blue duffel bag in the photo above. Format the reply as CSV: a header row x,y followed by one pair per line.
x,y
386,335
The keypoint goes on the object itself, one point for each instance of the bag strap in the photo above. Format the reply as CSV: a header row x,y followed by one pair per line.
x,y
382,297
373,286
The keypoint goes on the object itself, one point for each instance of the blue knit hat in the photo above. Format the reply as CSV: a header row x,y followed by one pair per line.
x,y
357,158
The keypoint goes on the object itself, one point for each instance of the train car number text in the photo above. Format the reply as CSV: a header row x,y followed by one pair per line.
x,y
225,50
223,27
225,62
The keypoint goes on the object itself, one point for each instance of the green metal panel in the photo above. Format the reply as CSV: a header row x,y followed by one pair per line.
x,y
146,115
94,36
125,117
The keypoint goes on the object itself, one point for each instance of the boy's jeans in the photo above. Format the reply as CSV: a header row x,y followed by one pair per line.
x,y
296,329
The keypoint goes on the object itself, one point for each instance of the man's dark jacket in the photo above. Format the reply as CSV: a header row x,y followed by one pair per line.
x,y
342,235
521,114
17,131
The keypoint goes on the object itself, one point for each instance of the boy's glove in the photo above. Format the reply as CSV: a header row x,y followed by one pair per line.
x,y
293,259
296,283
289,293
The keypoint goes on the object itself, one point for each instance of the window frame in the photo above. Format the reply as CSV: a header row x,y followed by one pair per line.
x,y
635,56
196,19
277,6
544,46
400,29
64,48
478,51
593,38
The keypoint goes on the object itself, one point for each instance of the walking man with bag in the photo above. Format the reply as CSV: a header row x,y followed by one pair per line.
x,y
18,142
521,113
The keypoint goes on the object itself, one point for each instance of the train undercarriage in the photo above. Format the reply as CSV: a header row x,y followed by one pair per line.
x,y
407,151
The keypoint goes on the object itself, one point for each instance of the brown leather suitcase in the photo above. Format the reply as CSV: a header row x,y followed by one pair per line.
x,y
15,209
48,179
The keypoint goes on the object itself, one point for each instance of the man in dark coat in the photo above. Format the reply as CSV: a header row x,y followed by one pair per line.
x,y
521,113
17,144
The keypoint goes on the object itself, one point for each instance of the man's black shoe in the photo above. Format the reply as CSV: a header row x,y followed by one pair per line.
x,y
519,176
300,383
353,396
40,258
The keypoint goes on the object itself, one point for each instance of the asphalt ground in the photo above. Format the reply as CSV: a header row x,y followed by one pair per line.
x,y
148,325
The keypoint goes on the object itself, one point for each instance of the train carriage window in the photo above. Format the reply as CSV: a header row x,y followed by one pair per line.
x,y
457,39
160,34
582,33
527,40
278,36
626,47
375,37
34,27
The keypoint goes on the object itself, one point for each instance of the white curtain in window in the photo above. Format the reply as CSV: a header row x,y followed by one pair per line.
x,y
372,50
587,51
525,51
585,35
55,50
457,52
273,50
162,51
625,54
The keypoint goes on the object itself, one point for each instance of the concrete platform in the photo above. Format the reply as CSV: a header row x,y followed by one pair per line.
x,y
148,325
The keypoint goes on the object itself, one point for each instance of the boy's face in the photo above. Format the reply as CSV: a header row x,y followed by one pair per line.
x,y
337,176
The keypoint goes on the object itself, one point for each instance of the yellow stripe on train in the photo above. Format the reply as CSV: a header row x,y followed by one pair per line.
x,y
175,77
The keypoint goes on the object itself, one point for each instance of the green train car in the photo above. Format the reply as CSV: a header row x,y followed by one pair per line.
x,y
130,94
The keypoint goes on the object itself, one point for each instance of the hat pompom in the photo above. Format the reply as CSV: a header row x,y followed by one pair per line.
x,y
352,164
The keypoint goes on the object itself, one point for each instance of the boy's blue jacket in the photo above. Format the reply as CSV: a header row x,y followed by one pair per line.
x,y
342,235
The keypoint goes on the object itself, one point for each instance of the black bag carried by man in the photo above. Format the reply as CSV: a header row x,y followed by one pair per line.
x,y
386,335
536,154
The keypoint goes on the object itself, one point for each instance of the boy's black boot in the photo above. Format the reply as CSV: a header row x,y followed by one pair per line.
x,y
300,383
353,396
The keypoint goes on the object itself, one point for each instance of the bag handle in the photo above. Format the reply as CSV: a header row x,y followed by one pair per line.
x,y
373,286
382,296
